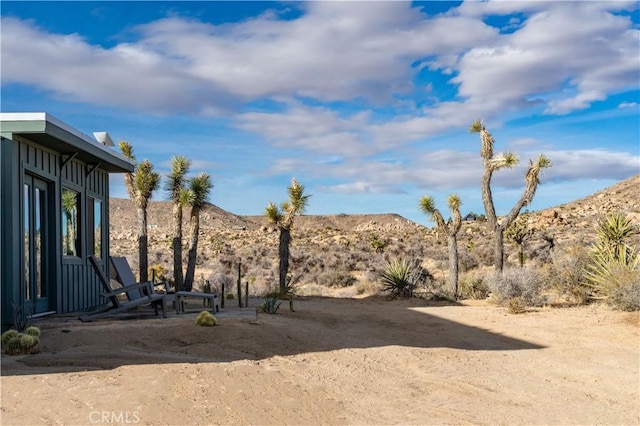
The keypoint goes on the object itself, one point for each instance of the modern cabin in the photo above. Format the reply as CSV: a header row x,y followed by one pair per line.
x,y
54,212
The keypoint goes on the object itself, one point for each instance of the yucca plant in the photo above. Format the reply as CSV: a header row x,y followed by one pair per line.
x,y
270,304
399,278
614,262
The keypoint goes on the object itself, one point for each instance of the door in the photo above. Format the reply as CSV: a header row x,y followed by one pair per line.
x,y
37,247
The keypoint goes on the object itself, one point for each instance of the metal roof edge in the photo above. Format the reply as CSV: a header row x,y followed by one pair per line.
x,y
50,119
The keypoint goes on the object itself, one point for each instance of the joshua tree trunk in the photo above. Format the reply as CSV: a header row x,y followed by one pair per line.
x,y
498,252
285,240
194,225
453,265
177,246
143,244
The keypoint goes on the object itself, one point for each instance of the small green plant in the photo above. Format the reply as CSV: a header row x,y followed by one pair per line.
x,y
230,296
13,347
32,331
15,343
270,305
205,319
8,335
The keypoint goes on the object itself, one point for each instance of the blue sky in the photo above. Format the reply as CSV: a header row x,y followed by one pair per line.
x,y
366,103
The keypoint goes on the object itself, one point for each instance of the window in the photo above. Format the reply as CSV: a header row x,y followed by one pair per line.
x,y
70,240
94,222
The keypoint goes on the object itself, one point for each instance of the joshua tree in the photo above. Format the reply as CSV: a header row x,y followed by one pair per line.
x,y
492,163
198,193
283,218
179,195
140,185
519,232
451,229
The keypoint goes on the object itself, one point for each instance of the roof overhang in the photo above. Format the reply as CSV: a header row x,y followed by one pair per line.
x,y
56,135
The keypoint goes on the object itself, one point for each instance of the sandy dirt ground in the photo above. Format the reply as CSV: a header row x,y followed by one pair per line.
x,y
331,362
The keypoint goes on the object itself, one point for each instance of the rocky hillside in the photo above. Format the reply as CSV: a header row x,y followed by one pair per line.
x,y
340,250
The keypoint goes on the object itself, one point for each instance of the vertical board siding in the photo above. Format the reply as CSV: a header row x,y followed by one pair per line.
x,y
79,288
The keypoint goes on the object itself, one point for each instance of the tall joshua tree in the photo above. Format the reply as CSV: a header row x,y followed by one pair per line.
x,y
451,229
198,193
179,196
491,164
140,185
282,217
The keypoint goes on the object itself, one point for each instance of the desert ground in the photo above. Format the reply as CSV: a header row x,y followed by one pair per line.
x,y
368,361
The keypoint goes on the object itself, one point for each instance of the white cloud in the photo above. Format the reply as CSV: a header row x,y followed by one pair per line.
x,y
341,51
573,45
628,105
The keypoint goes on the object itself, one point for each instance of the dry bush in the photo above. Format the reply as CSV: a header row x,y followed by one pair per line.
x,y
516,305
336,278
368,287
472,286
566,275
626,297
525,283
218,280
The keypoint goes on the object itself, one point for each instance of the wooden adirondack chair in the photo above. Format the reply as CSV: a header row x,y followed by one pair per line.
x,y
127,278
138,295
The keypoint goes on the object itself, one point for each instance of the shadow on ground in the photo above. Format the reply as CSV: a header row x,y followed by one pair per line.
x,y
318,324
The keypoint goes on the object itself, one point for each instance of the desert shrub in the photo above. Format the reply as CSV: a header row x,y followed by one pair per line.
x,y
516,305
466,261
230,296
367,287
625,297
158,271
566,275
525,283
472,287
270,304
205,319
219,279
377,243
336,278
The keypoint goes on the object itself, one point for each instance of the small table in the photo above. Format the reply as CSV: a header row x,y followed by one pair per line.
x,y
178,299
